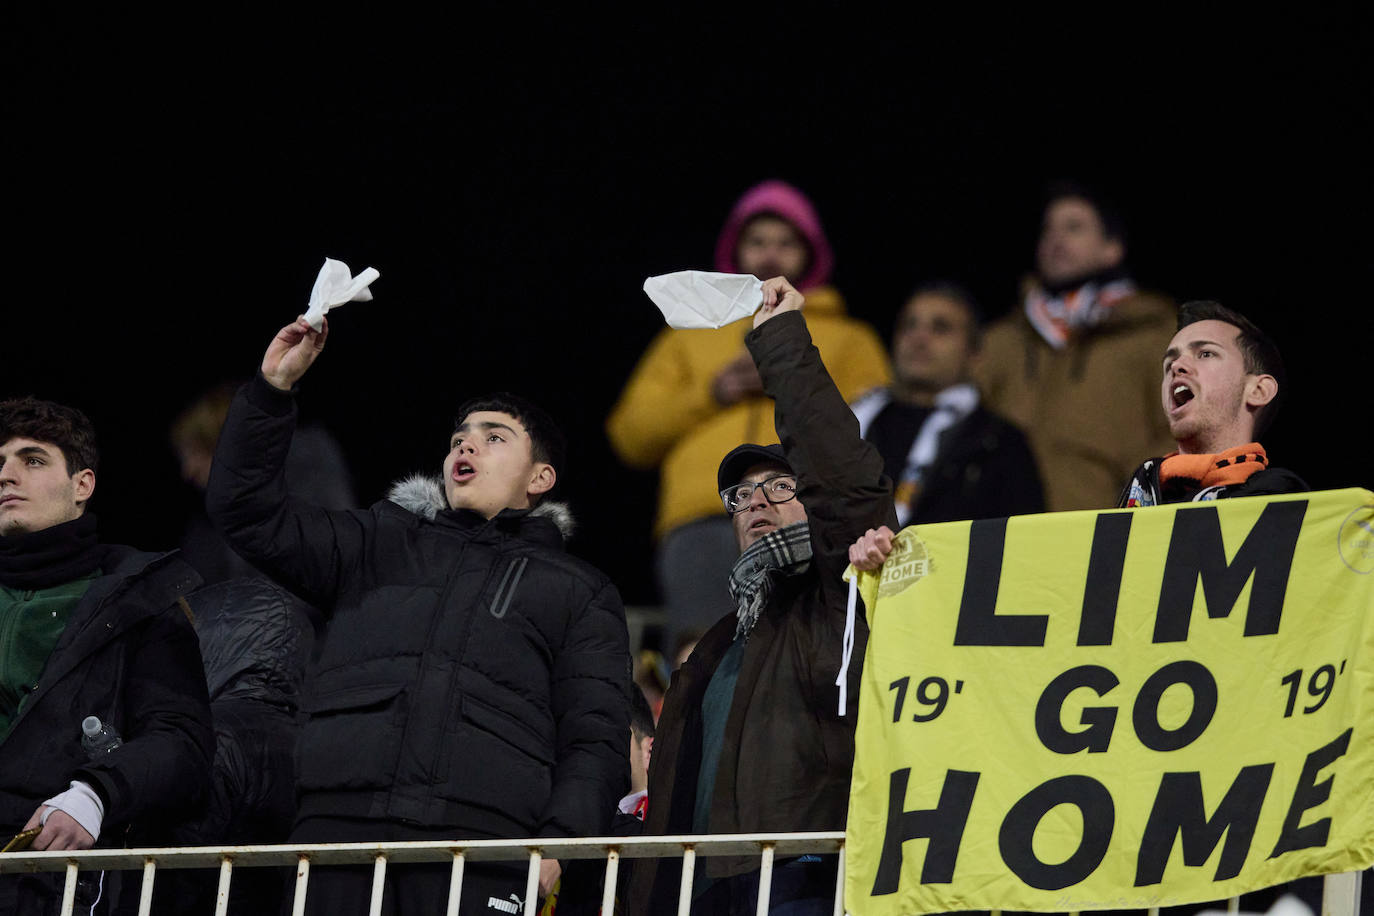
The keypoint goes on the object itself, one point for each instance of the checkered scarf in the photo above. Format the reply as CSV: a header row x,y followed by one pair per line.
x,y
786,552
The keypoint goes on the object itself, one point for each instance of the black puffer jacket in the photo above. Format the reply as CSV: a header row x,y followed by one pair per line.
x,y
474,673
255,640
129,656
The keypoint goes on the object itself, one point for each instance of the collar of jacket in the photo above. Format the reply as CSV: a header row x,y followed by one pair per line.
x,y
1101,278
109,607
1142,307
549,522
162,579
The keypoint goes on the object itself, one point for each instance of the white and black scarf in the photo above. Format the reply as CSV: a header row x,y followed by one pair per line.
x,y
1060,315
952,406
786,552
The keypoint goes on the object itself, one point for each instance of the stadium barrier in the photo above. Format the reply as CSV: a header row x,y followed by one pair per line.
x,y
1341,897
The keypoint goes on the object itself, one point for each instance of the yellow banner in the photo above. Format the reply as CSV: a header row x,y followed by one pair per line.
x,y
1101,710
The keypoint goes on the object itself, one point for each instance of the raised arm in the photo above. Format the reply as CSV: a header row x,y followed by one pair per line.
x,y
306,548
841,476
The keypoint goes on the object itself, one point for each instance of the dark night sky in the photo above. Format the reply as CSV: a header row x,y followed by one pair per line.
x,y
173,192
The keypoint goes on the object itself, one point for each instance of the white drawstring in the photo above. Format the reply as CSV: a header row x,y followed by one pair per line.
x,y
843,680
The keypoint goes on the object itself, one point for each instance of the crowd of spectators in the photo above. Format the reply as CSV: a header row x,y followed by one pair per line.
x,y
438,665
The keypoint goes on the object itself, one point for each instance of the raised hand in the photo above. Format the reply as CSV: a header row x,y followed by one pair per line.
x,y
872,549
778,296
292,352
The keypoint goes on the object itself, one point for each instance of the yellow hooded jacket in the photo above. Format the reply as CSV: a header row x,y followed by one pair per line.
x,y
667,417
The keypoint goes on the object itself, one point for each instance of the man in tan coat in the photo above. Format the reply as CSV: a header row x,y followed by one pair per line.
x,y
1075,366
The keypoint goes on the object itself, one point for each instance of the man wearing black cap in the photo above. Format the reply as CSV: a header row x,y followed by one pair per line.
x,y
752,737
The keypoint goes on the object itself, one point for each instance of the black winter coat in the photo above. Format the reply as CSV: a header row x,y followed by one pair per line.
x,y
983,469
255,640
474,674
787,754
128,655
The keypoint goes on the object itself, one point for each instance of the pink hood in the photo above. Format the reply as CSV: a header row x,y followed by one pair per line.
x,y
780,198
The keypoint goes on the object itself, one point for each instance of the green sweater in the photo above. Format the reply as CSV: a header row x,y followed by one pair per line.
x,y
31,622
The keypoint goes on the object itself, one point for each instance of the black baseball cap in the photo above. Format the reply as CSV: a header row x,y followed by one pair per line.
x,y
734,465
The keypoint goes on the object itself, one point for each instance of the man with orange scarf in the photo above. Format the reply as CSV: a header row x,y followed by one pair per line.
x,y
1221,387
1220,390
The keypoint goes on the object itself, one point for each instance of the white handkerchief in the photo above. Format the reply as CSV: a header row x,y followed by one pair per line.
x,y
336,285
701,299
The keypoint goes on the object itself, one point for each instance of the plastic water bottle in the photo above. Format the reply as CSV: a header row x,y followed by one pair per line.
x,y
98,738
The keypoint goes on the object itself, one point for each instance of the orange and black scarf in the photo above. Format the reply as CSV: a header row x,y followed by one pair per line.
x,y
1187,478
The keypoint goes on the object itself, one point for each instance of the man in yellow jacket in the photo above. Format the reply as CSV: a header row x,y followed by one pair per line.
x,y
696,394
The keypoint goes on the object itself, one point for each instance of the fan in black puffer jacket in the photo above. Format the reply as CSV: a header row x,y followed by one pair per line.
x,y
473,680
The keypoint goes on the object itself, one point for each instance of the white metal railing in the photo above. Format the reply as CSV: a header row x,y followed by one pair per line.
x,y
459,853
1341,895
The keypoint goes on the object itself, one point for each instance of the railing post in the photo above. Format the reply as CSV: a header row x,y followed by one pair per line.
x,y
532,883
612,870
69,890
455,883
378,885
226,869
765,880
1341,893
684,893
145,899
839,883
302,879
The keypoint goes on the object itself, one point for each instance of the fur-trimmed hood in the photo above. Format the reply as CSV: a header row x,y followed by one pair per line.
x,y
423,494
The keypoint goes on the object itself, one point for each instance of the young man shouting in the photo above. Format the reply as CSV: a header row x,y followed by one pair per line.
x,y
1220,388
472,680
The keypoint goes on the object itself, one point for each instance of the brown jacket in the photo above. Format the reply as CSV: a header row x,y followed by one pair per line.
x,y
1091,409
787,755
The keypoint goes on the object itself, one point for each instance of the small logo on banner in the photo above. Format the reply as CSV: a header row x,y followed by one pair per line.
x,y
1357,540
908,563
505,906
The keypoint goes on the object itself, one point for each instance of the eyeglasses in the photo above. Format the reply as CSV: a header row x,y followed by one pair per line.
x,y
779,489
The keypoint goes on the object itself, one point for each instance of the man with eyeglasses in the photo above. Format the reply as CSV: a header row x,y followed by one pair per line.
x,y
751,738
